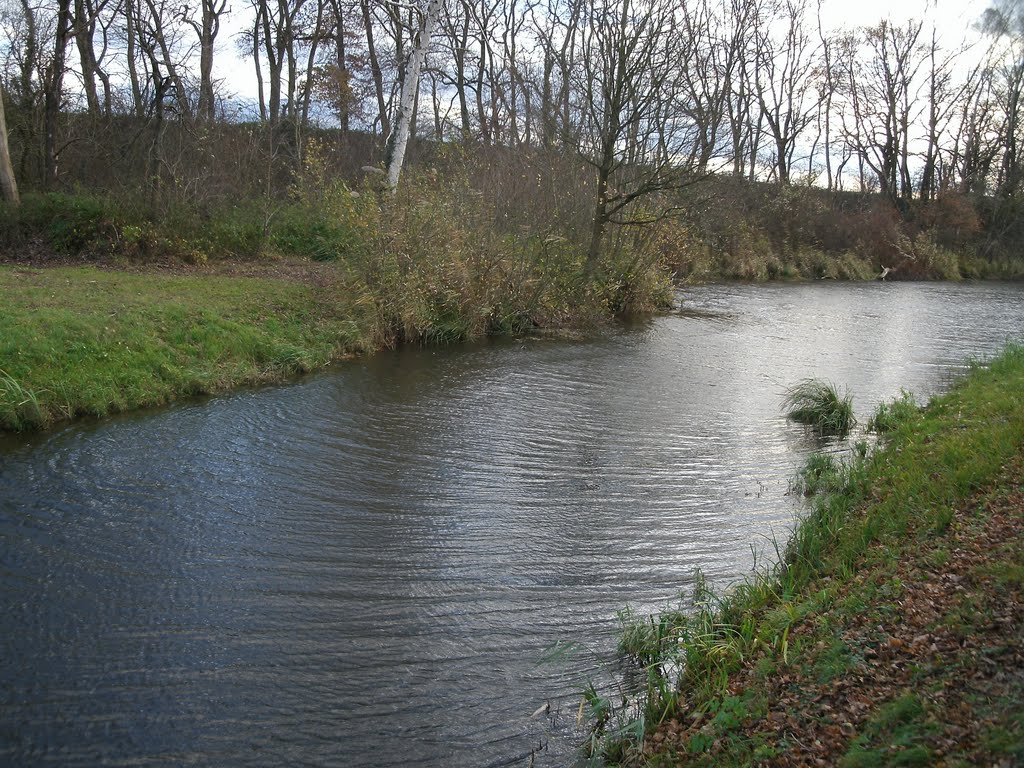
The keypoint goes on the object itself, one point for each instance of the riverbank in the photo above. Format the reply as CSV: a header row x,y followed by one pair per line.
x,y
83,341
89,340
890,635
110,307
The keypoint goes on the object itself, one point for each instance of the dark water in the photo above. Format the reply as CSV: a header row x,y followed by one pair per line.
x,y
365,567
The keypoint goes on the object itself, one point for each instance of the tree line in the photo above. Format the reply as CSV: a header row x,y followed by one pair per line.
x,y
649,94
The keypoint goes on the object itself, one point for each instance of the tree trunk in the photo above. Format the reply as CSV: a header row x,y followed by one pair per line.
x,y
600,221
85,28
8,186
54,90
208,29
410,90
547,112
341,61
378,78
132,35
460,45
316,36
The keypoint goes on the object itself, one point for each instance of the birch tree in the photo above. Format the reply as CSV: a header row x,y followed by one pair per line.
x,y
410,89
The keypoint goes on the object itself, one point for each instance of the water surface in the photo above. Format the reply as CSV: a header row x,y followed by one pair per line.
x,y
366,566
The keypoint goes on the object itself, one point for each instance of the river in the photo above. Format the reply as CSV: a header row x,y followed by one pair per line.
x,y
366,567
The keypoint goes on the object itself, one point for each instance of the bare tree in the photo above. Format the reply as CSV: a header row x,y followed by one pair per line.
x,y
90,21
628,68
885,101
972,153
26,66
829,83
455,28
375,69
1004,20
274,34
742,111
785,63
709,62
53,90
945,94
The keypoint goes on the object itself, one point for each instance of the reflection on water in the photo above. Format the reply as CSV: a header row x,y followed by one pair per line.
x,y
364,568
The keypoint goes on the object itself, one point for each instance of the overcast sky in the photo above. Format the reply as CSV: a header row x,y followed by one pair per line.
x,y
953,16
954,19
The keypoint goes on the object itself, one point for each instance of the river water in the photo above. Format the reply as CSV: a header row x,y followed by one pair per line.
x,y
367,566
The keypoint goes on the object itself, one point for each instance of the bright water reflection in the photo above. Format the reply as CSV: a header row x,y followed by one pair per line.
x,y
363,568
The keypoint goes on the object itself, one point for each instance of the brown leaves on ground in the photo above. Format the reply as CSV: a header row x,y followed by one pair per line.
x,y
927,658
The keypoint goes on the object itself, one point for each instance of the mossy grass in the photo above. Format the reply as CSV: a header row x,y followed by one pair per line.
x,y
786,627
819,404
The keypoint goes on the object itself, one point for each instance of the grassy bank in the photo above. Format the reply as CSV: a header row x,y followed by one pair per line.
x,y
889,632
450,257
83,340
86,341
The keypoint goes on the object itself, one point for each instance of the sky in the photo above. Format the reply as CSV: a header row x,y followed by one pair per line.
x,y
952,16
954,20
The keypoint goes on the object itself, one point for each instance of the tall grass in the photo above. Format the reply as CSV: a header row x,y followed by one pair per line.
x,y
19,406
819,404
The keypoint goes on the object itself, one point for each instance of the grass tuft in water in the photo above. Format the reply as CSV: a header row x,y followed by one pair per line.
x,y
819,404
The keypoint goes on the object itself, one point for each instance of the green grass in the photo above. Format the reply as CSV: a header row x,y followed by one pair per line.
x,y
891,416
871,513
85,341
891,737
819,404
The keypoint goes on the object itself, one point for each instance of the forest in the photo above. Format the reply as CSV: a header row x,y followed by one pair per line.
x,y
743,139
